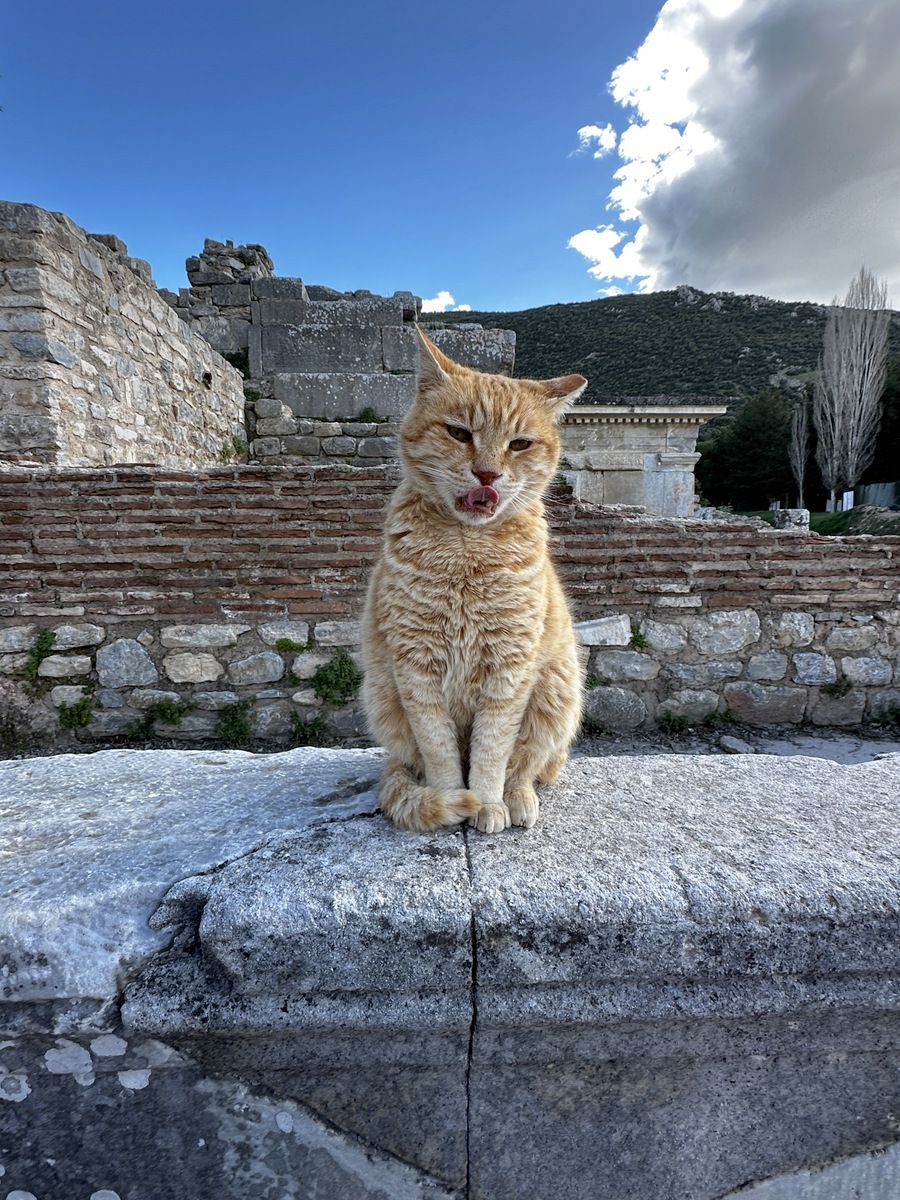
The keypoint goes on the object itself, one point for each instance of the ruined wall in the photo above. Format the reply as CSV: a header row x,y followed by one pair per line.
x,y
94,367
329,374
168,585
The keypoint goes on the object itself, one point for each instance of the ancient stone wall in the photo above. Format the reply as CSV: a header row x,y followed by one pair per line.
x,y
199,587
329,374
94,367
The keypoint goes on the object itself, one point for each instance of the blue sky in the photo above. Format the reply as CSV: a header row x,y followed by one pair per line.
x,y
402,145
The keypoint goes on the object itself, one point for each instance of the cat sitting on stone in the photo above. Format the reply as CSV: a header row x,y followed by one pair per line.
x,y
472,680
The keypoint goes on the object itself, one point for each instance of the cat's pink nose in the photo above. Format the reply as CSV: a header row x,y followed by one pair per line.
x,y
486,478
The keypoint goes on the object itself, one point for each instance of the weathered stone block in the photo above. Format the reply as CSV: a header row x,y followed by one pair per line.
x,y
814,668
185,667
264,667
795,629
762,704
725,632
838,710
887,700
17,637
400,348
663,637
339,445
357,429
230,295
853,637
377,448
125,663
622,665
868,670
272,720
305,665
345,394
337,633
771,665
267,406
704,674
265,447
276,426
279,288
309,446
614,708
281,311
73,637
66,694
61,666
692,705
207,637
214,700
272,631
604,631
147,697
313,348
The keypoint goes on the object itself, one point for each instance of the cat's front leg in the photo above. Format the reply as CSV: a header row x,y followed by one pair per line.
x,y
494,731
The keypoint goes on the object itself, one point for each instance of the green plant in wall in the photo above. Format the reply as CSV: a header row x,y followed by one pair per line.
x,y
368,415
715,720
591,727
309,733
41,648
226,454
839,688
638,641
671,723
167,711
232,726
338,680
286,645
77,715
239,359
592,680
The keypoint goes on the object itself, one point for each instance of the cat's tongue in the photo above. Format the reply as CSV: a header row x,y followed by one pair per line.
x,y
482,498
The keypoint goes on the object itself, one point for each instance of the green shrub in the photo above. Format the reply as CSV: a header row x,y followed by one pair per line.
x,y
77,715
338,680
889,716
591,680
41,648
287,645
638,641
368,416
239,359
840,687
715,720
591,727
309,733
169,712
232,726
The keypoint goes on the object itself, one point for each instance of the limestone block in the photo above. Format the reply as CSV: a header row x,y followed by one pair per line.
x,y
265,447
357,429
604,631
725,632
795,629
264,667
107,722
230,295
345,394
61,666
147,697
337,633
838,710
281,311
814,668
622,665
66,694
771,665
400,348
307,697
109,698
214,700
339,445
73,637
693,705
764,704
868,670
271,720
704,674
615,708
279,288
185,667
886,700
267,406
341,348
323,429
12,664
306,665
17,637
207,637
854,637
272,631
377,448
276,426
663,637
308,446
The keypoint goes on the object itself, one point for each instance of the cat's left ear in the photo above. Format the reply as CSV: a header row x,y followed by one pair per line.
x,y
562,392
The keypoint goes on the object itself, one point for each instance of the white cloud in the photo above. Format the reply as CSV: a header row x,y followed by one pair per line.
x,y
600,138
444,302
761,151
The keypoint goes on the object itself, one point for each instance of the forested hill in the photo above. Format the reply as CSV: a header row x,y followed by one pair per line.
x,y
679,342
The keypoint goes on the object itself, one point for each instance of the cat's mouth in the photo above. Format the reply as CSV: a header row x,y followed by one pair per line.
x,y
480,500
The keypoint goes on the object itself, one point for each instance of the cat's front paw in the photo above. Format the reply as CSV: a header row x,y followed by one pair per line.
x,y
523,805
491,818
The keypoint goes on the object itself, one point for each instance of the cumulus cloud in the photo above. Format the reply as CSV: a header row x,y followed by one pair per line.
x,y
444,302
601,139
761,151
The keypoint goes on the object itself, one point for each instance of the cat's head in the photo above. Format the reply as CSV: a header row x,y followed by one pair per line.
x,y
482,446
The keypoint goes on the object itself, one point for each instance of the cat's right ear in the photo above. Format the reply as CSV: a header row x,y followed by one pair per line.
x,y
435,368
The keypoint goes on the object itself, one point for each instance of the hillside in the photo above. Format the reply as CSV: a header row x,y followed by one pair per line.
x,y
678,342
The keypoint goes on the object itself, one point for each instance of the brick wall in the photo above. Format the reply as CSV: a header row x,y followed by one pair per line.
x,y
685,618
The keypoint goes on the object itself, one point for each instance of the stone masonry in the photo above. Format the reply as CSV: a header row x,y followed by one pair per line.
x,y
94,367
329,374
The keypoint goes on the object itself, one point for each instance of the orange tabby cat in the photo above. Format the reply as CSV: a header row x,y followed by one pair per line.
x,y
472,681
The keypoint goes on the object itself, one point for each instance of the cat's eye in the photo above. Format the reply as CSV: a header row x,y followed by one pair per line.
x,y
459,434
519,444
